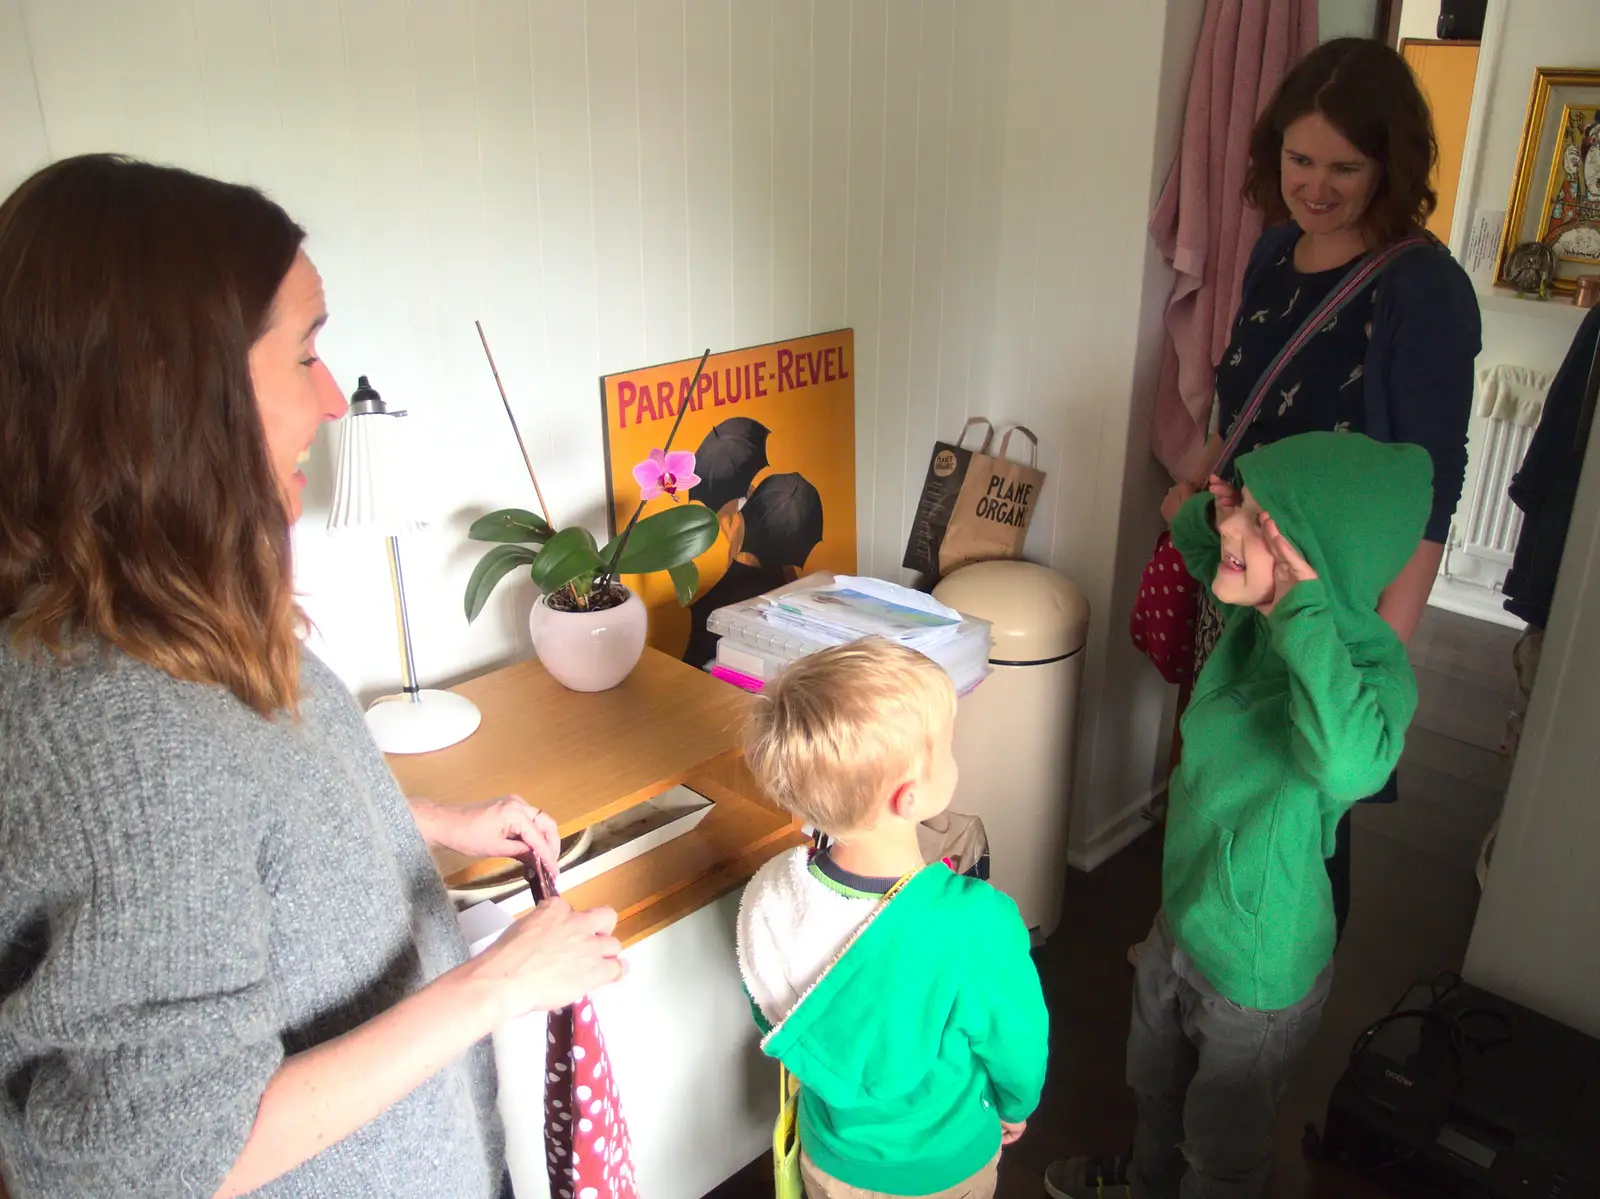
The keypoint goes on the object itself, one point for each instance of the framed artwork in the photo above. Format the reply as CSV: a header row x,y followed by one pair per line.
x,y
772,429
1555,193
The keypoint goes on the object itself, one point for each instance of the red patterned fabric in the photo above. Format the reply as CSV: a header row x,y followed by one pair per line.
x,y
587,1148
1162,624
588,1152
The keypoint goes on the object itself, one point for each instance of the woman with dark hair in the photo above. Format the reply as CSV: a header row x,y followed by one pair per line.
x,y
1339,162
229,966
1341,159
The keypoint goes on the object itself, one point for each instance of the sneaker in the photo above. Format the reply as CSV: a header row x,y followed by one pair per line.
x,y
1088,1178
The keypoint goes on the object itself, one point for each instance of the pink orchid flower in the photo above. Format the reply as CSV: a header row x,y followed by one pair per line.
x,y
665,474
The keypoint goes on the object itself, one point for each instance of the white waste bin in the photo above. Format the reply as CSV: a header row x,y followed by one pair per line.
x,y
1016,735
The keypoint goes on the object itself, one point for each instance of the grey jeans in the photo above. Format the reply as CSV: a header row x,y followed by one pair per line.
x,y
1208,1075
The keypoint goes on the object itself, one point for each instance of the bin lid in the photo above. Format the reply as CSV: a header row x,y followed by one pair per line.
x,y
1036,613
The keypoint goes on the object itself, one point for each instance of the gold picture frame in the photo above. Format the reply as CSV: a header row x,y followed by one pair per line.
x,y
1559,95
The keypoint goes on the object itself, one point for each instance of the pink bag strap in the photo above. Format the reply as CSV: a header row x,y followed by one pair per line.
x,y
1364,271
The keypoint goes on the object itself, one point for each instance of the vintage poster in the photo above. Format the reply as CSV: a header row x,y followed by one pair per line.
x,y
772,429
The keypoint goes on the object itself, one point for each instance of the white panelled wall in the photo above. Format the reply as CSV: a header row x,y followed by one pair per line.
x,y
620,182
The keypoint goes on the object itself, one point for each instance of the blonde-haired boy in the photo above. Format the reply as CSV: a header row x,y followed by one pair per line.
x,y
901,996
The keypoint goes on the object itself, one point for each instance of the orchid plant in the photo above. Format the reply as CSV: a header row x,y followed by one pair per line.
x,y
575,573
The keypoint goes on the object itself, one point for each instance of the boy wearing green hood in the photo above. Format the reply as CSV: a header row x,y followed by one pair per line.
x,y
901,996
1300,712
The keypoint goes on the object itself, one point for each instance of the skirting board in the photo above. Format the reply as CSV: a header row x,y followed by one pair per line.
x,y
1465,599
1115,837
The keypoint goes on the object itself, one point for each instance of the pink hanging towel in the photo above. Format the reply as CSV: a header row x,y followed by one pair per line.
x,y
1201,223
588,1152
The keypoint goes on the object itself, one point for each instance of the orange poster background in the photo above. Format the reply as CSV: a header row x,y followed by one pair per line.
x,y
802,391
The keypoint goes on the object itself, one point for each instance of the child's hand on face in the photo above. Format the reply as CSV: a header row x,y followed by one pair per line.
x,y
1288,567
1227,495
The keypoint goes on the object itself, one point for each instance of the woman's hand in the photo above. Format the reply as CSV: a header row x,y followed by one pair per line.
x,y
549,958
1011,1133
1288,566
501,828
1177,496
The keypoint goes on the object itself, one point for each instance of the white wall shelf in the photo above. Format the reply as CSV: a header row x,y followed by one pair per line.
x,y
1558,308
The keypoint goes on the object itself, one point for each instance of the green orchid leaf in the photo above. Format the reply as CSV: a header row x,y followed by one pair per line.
x,y
491,568
668,539
569,555
515,525
686,578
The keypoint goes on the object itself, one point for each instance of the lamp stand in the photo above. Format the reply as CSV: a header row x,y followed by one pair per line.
x,y
416,721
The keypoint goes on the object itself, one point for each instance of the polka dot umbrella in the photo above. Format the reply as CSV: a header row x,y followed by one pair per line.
x,y
588,1152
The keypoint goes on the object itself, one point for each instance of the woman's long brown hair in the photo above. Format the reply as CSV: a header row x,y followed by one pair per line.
x,y
138,505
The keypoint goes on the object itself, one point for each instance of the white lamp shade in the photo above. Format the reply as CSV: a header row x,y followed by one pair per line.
x,y
374,491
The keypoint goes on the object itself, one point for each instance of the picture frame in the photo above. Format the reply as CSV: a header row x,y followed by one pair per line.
x,y
772,428
1555,192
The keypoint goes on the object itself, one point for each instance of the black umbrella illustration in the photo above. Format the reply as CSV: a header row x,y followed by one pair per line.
x,y
728,460
782,521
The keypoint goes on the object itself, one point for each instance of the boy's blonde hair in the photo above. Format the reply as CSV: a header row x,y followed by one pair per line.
x,y
837,729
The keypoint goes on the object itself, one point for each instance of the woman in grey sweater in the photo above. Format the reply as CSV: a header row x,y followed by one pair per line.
x,y
227,965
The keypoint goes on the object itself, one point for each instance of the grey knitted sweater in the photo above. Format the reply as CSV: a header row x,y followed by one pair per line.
x,y
189,893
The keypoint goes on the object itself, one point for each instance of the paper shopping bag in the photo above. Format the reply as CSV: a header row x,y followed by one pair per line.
x,y
975,505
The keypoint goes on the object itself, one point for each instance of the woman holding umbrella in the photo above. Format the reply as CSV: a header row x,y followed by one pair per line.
x,y
229,965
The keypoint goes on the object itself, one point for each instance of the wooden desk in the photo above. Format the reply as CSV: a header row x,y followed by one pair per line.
x,y
584,757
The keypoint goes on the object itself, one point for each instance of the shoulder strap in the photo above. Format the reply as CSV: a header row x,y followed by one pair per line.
x,y
895,890
1363,272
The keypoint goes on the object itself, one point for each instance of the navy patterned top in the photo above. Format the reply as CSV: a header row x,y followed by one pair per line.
x,y
1396,363
1320,387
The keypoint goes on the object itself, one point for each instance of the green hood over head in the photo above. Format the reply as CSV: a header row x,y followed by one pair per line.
x,y
1354,507
1298,714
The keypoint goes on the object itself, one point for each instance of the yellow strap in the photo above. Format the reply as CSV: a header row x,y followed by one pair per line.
x,y
789,1091
895,890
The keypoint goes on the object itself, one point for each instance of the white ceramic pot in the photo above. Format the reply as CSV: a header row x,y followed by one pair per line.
x,y
589,651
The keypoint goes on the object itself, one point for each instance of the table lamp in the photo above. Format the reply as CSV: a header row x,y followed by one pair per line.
x,y
374,494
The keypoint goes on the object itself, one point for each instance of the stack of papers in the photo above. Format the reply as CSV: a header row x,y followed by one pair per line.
x,y
852,608
758,638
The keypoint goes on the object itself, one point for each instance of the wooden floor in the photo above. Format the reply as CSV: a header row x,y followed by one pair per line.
x,y
1414,899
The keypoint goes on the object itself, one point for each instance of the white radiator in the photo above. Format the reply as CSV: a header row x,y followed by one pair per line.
x,y
1483,537
1493,522
1487,525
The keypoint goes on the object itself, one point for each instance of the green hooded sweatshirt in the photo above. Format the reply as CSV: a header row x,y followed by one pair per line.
x,y
1297,715
927,1030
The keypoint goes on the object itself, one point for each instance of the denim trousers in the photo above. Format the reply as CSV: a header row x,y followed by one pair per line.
x,y
1208,1075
